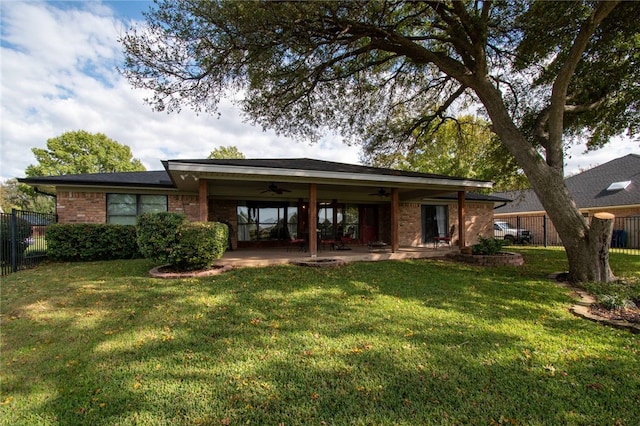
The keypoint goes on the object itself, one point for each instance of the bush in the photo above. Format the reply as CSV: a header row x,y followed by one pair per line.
x,y
198,245
23,232
157,234
488,246
88,241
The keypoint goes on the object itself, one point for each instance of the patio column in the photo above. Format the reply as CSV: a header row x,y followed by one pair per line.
x,y
313,220
395,216
202,199
462,220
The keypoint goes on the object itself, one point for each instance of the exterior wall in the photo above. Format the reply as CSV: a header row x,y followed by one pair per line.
x,y
479,221
225,211
81,207
185,204
91,207
410,226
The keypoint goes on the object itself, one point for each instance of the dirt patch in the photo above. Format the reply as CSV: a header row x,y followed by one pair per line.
x,y
167,272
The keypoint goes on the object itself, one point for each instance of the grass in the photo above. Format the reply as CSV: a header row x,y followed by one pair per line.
x,y
415,342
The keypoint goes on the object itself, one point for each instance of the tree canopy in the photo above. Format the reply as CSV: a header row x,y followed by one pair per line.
x,y
465,147
382,73
82,152
226,152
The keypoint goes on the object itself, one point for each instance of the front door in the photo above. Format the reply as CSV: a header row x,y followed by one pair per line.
x,y
369,221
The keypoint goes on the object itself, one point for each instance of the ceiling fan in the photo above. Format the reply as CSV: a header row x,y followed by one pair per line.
x,y
275,189
381,193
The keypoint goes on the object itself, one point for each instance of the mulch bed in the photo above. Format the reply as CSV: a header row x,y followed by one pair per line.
x,y
624,314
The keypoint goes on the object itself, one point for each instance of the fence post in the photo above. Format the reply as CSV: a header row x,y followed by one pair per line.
x,y
544,230
14,241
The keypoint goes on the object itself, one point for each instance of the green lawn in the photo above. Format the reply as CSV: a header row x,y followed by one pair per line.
x,y
415,342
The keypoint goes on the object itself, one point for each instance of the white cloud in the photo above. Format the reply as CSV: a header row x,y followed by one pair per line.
x,y
58,73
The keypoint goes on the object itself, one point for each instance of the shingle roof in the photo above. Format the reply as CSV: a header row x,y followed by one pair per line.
x,y
151,179
589,188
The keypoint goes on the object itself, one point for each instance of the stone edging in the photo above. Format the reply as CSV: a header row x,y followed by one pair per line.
x,y
583,304
319,263
155,272
502,259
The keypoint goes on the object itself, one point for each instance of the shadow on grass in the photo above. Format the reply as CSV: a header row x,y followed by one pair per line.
x,y
425,342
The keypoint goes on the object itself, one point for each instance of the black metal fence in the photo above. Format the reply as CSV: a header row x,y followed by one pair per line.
x,y
625,238
23,239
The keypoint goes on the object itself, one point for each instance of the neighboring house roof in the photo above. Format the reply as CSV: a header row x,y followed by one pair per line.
x,y
589,189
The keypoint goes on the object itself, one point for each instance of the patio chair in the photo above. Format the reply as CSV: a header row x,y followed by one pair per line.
x,y
447,239
299,243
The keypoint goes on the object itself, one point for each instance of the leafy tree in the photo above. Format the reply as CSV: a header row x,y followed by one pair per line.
x,y
226,152
82,152
465,147
382,73
14,195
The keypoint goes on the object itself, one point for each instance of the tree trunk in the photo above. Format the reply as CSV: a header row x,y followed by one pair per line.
x,y
589,258
586,245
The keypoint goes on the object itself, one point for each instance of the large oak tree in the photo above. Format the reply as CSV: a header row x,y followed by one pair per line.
x,y
383,72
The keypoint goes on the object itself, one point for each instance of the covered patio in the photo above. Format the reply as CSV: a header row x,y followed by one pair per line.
x,y
269,202
358,253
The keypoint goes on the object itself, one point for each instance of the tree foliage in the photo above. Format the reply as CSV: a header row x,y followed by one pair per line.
x,y
464,147
383,73
226,152
82,152
14,195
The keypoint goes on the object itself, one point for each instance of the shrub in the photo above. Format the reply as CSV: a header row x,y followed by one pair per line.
x,y
488,246
23,232
157,233
198,245
89,241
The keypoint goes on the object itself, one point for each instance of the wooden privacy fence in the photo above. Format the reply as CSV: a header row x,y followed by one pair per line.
x,y
23,239
625,238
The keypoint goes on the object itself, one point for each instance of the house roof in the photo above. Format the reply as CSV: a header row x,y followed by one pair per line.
x,y
149,179
248,178
589,189
307,164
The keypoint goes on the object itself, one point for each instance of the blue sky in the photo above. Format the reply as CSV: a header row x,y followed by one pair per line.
x,y
58,73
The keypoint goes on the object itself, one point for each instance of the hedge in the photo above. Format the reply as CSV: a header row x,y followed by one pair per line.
x,y
157,233
86,242
198,245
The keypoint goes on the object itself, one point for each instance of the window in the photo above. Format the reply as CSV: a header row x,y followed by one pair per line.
x,y
346,221
123,209
262,221
435,222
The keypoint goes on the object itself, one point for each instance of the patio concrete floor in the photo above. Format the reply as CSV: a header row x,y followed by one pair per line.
x,y
357,253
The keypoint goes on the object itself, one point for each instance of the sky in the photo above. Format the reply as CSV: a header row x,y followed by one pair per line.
x,y
58,72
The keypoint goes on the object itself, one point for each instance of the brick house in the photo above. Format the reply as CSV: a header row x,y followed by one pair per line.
x,y
612,187
268,202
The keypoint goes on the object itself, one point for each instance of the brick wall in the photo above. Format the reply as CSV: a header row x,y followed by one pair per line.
x,y
185,204
81,207
225,211
479,221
